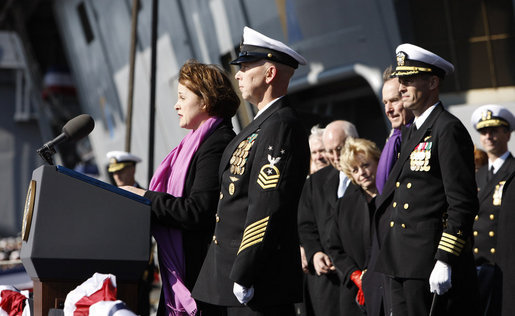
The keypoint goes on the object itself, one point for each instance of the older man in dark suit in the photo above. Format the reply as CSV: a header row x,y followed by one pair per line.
x,y
318,198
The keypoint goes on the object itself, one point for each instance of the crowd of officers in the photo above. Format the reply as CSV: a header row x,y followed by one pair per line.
x,y
413,229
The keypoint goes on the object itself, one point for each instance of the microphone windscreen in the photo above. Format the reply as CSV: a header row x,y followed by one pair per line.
x,y
78,127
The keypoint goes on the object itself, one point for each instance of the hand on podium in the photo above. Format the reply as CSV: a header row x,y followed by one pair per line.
x,y
133,189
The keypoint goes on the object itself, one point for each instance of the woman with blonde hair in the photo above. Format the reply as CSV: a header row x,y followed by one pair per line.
x,y
350,233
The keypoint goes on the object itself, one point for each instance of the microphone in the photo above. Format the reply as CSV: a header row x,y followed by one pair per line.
x,y
75,129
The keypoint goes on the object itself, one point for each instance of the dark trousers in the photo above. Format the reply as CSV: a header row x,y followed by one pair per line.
x,y
206,309
280,310
410,297
324,293
490,288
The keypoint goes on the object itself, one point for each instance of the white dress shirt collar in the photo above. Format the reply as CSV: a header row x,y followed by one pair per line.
x,y
497,164
422,118
266,107
342,186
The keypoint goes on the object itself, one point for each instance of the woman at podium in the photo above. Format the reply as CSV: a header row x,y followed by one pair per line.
x,y
185,187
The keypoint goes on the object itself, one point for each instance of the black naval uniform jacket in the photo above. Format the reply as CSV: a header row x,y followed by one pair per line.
x,y
256,239
194,213
317,202
490,198
505,253
350,240
433,199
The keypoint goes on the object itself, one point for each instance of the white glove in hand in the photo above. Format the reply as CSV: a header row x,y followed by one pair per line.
x,y
440,279
243,294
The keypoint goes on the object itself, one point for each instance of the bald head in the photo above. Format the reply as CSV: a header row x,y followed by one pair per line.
x,y
335,134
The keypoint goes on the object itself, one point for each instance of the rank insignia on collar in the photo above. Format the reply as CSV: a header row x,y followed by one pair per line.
x,y
269,174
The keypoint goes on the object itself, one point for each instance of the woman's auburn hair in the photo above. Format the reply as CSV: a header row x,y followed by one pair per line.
x,y
212,85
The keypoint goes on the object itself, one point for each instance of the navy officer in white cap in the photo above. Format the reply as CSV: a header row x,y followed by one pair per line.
x,y
494,124
431,199
122,167
253,263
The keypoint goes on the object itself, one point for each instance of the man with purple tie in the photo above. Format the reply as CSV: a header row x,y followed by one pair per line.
x,y
398,117
374,282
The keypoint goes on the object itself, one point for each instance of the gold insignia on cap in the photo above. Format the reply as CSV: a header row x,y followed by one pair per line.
x,y
401,57
269,55
486,115
254,233
488,120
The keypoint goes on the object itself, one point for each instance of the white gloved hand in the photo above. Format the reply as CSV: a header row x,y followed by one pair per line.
x,y
243,294
440,279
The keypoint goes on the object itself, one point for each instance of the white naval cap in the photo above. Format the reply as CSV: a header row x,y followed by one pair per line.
x,y
492,115
120,159
412,60
256,46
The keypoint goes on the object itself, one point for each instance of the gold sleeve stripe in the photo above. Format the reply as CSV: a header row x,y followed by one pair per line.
x,y
451,243
461,241
251,241
248,237
450,246
448,250
256,223
254,231
249,244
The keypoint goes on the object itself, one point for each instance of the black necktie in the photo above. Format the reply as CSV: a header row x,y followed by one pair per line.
x,y
490,174
412,130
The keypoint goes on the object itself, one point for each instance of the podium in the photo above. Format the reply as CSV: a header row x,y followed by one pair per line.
x,y
74,226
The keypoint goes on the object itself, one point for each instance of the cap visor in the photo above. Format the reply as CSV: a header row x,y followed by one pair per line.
x,y
491,123
245,59
116,167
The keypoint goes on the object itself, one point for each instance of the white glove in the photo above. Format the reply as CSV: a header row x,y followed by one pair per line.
x,y
243,294
440,279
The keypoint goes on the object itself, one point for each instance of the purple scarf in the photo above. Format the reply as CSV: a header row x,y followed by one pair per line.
x,y
170,177
388,158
